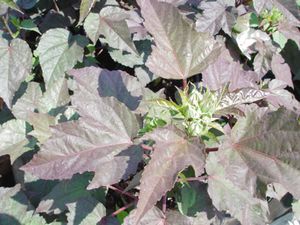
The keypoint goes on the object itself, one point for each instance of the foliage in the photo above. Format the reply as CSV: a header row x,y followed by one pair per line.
x,y
150,112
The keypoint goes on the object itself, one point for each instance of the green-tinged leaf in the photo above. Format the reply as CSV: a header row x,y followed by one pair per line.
x,y
193,198
85,8
55,96
41,123
111,23
66,192
289,31
15,65
227,195
288,8
286,219
11,4
179,51
28,102
29,25
13,139
85,211
58,52
15,208
279,38
261,149
99,141
173,153
26,4
296,209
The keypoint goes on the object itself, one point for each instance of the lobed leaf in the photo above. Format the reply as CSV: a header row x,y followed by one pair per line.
x,y
179,51
100,141
261,149
173,153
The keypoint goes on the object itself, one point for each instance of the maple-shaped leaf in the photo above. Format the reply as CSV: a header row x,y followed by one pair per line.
x,y
15,65
107,83
225,70
179,51
264,148
288,8
217,15
173,153
226,194
100,141
59,51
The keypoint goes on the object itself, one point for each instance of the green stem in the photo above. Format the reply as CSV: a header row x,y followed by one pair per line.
x,y
7,26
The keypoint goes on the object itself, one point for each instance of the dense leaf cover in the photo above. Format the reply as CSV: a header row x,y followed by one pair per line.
x,y
150,112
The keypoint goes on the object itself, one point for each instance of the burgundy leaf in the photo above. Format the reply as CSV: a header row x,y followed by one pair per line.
x,y
281,70
225,70
217,15
264,148
118,84
179,51
173,153
100,141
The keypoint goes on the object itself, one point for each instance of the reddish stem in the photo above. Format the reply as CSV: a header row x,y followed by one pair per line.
x,y
123,208
164,204
202,178
208,150
147,147
121,192
184,83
